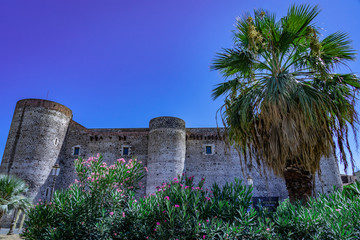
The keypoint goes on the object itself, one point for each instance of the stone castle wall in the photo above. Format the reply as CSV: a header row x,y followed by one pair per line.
x,y
166,148
36,135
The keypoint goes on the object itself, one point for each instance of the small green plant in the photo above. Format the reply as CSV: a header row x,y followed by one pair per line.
x,y
12,194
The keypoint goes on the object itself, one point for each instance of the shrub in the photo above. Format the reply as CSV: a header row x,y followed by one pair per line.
x,y
101,204
182,210
88,208
336,216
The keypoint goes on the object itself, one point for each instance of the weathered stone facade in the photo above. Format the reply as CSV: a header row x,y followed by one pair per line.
x,y
43,133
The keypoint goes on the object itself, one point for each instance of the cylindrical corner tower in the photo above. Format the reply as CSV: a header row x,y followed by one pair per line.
x,y
37,132
166,150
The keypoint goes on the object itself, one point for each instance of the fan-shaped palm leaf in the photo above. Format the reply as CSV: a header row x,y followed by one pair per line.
x,y
282,96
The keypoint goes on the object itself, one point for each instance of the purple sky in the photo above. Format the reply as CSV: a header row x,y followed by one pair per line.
x,y
118,63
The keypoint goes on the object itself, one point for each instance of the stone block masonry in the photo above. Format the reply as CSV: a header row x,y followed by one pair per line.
x,y
42,133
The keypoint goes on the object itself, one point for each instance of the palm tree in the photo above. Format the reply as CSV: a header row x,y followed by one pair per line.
x,y
284,105
12,190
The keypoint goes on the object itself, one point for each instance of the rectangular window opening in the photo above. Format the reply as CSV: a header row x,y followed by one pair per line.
x,y
76,151
126,151
208,150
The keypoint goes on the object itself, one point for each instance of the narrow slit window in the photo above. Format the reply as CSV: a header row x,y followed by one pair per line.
x,y
208,150
76,151
125,151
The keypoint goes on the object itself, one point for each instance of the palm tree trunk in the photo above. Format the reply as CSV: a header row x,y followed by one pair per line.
x,y
14,221
22,221
299,183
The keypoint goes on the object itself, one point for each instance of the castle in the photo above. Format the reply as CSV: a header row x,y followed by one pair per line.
x,y
43,134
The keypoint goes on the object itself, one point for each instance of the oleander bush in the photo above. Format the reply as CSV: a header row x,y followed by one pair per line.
x,y
101,204
89,207
182,210
326,217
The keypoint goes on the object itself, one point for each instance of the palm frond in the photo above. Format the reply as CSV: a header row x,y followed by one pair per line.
x,y
336,50
281,93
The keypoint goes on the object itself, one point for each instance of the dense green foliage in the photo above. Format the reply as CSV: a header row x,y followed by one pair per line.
x,y
102,205
88,209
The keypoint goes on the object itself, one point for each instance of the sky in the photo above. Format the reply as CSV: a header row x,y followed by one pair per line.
x,y
118,63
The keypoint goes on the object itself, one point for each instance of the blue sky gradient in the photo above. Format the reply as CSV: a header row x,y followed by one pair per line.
x,y
120,63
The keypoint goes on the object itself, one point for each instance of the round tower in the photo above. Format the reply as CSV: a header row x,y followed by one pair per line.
x,y
166,150
37,132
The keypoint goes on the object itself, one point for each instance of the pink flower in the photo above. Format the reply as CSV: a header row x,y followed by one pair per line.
x,y
167,198
111,213
155,229
207,220
121,160
204,236
176,205
82,223
338,210
146,169
157,223
268,229
199,224
123,214
115,234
